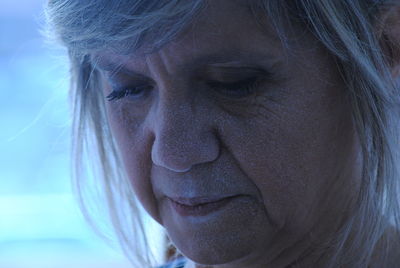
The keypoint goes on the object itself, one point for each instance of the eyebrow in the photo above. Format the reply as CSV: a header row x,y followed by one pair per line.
x,y
230,59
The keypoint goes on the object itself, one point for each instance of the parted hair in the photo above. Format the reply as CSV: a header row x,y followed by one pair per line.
x,y
345,28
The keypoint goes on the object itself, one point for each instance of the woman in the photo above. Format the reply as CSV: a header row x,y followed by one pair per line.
x,y
258,133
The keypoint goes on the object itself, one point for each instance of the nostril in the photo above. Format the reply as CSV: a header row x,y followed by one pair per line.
x,y
177,170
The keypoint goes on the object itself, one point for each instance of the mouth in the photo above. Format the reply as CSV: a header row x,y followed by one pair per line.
x,y
200,206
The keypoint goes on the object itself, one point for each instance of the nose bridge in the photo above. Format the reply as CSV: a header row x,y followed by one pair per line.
x,y
183,135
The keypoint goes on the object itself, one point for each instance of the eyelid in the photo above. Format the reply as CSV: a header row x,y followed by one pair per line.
x,y
117,78
217,75
121,83
236,81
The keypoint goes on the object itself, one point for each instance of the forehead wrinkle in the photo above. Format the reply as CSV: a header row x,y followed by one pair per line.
x,y
194,48
162,64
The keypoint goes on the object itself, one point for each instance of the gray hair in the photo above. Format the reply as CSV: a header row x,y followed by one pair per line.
x,y
345,28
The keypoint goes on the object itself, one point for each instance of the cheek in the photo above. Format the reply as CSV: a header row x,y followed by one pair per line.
x,y
296,155
134,151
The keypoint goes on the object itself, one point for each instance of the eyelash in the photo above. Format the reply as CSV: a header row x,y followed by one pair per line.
x,y
130,91
239,89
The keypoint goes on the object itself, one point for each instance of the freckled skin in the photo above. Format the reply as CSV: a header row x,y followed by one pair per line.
x,y
290,149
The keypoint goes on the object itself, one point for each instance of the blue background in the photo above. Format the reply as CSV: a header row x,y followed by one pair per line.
x,y
40,224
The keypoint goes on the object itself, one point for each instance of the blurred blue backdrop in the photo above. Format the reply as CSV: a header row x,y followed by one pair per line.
x,y
40,226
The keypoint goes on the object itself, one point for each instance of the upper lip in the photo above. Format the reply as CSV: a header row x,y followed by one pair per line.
x,y
195,201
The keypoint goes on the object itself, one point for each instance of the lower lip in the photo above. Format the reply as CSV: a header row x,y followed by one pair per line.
x,y
201,210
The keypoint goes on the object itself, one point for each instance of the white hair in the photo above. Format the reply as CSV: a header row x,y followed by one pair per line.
x,y
345,28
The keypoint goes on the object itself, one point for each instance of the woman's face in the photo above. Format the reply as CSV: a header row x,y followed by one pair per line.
x,y
243,151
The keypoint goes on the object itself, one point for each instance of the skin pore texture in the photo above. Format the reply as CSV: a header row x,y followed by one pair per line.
x,y
285,149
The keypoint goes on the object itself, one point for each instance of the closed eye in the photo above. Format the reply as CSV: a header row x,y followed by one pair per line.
x,y
239,89
134,92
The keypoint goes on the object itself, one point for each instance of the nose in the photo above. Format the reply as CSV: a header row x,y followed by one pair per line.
x,y
183,136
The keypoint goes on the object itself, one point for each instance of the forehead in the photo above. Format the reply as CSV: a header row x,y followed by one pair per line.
x,y
225,30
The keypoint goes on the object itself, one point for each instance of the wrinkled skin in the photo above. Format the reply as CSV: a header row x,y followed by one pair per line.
x,y
287,150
